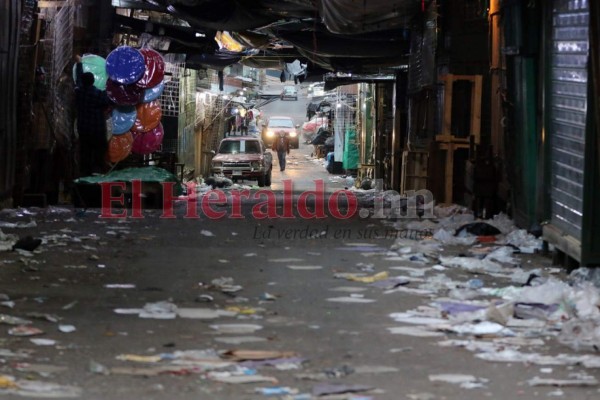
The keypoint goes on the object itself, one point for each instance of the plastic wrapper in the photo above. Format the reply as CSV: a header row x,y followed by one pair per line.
x,y
148,117
122,119
153,93
119,147
97,66
123,95
148,142
125,65
154,69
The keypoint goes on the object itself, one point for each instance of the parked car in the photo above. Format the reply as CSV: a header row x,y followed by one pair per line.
x,y
243,158
289,92
276,125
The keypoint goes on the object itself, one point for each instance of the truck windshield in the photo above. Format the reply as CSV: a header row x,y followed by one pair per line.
x,y
240,146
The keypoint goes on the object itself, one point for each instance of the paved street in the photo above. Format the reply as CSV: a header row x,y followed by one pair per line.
x,y
152,313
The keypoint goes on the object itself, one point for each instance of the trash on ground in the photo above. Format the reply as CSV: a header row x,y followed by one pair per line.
x,y
465,381
244,355
323,389
10,320
120,286
240,339
204,313
582,381
276,391
236,328
304,267
25,330
43,342
226,285
413,331
366,279
67,328
159,310
350,299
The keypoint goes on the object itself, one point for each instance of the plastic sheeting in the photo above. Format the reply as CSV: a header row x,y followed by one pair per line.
x,y
153,93
148,142
123,95
119,147
97,66
154,69
352,17
350,159
125,65
122,119
148,117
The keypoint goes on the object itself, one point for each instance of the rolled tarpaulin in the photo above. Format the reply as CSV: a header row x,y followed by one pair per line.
x,y
154,70
122,119
119,147
97,66
123,95
125,65
148,116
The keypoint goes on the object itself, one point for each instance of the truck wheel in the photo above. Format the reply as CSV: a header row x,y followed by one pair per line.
x,y
261,181
268,178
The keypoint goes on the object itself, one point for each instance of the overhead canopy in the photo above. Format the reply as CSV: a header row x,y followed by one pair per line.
x,y
335,35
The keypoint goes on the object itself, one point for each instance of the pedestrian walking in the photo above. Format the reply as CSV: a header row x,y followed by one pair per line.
x,y
91,104
282,146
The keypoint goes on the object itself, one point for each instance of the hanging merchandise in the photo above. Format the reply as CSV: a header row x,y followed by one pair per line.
x,y
122,119
123,95
154,70
97,66
148,142
125,65
119,147
148,116
153,93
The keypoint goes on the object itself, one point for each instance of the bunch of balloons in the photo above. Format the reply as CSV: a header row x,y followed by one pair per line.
x,y
133,80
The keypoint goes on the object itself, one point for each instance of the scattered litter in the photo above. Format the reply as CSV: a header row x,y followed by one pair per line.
x,y
10,320
236,328
70,305
350,299
25,330
250,255
226,285
304,267
43,342
66,328
241,379
276,391
375,369
240,339
465,381
39,389
203,313
285,260
97,368
391,283
584,380
120,286
42,369
243,355
364,279
204,232
478,229
159,310
268,297
138,358
324,389
413,331
348,289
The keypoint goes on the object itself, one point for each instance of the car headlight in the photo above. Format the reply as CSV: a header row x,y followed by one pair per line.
x,y
217,164
255,164
270,133
293,134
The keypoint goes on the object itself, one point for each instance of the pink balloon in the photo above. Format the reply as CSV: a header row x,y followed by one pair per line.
x,y
148,142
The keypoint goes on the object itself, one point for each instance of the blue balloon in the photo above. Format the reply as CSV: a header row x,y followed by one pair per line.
x,y
153,93
125,65
123,119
